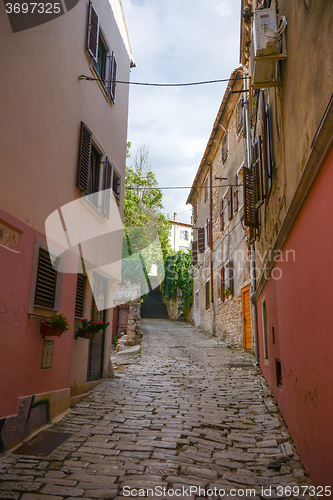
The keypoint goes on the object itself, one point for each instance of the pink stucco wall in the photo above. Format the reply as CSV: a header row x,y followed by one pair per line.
x,y
299,307
21,352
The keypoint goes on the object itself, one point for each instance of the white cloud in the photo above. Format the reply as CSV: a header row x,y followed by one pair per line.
x,y
179,41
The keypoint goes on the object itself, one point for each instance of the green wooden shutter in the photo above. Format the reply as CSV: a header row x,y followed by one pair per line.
x,y
93,32
84,158
257,173
250,212
107,186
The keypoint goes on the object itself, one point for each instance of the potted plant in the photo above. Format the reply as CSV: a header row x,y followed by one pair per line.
x,y
227,293
56,325
90,327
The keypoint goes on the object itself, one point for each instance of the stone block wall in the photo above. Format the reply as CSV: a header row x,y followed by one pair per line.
x,y
229,326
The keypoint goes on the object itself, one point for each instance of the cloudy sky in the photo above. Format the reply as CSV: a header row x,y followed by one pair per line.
x,y
178,41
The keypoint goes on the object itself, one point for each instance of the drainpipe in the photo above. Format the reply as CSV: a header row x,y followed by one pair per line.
x,y
211,246
253,251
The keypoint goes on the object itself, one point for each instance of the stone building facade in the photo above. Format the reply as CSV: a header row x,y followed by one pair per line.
x,y
220,248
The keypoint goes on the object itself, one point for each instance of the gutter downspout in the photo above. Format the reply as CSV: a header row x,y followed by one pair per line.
x,y
211,245
253,251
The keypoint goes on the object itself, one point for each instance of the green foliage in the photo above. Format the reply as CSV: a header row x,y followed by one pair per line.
x,y
177,277
143,217
59,321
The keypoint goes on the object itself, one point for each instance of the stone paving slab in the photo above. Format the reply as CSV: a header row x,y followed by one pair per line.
x,y
180,416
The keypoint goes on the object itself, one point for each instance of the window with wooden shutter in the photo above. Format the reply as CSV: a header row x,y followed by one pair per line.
x,y
207,290
84,158
116,183
225,147
207,227
229,201
250,212
194,253
222,283
206,189
267,146
107,187
252,235
46,281
257,173
222,214
113,77
79,300
235,195
230,279
201,239
93,32
239,116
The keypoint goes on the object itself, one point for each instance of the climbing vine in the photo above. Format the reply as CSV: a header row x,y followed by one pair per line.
x,y
177,277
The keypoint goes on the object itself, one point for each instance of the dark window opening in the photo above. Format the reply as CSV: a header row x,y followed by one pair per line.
x,y
101,57
207,294
278,373
273,335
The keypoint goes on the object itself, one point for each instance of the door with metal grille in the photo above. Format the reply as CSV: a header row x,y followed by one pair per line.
x,y
96,345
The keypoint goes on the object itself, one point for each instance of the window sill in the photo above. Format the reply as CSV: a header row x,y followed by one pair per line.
x,y
91,207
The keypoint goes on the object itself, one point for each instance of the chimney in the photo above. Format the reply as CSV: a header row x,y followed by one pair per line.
x,y
175,216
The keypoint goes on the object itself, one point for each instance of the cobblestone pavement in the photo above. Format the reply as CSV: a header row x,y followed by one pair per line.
x,y
179,416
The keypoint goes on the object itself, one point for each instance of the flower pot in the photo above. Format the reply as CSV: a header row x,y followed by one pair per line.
x,y
48,331
85,334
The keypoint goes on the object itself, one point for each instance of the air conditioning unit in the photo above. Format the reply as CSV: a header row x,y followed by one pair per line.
x,y
264,28
267,48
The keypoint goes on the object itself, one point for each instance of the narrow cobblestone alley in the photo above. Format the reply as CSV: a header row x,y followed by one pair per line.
x,y
181,415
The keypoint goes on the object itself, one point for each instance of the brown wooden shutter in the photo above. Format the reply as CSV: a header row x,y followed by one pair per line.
x,y
194,253
46,281
257,172
79,301
222,214
84,158
93,31
239,115
113,77
250,212
222,283
236,193
252,235
229,200
207,294
107,186
201,239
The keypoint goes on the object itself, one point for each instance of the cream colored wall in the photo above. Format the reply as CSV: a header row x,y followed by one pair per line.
x,y
43,103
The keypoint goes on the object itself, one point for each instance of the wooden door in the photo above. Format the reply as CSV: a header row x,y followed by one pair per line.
x,y
247,331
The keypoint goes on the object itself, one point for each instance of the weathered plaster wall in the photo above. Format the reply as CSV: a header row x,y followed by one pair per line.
x,y
299,309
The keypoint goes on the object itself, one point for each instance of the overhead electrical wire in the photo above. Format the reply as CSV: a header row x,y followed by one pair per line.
x,y
180,187
145,84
